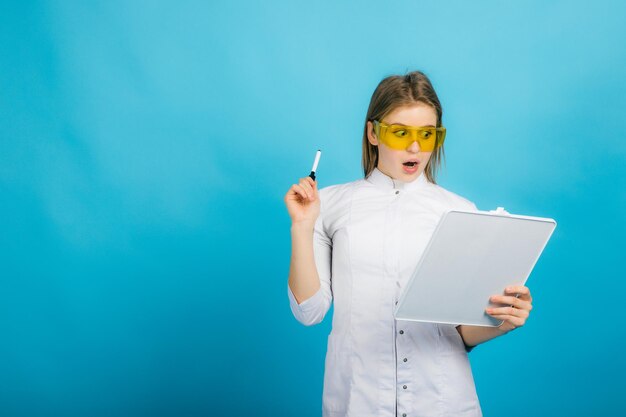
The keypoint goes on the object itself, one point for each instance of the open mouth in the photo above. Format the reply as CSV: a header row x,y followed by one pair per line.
x,y
410,164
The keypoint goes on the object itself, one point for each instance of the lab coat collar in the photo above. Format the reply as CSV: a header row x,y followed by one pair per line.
x,y
382,180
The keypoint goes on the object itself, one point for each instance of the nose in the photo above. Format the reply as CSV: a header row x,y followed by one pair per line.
x,y
414,147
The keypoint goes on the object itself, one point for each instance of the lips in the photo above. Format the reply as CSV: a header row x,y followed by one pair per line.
x,y
411,166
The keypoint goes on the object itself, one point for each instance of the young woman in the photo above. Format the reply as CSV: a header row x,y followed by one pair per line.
x,y
356,244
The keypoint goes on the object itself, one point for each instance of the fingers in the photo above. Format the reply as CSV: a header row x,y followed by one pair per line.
x,y
510,300
513,320
519,303
306,189
308,185
524,292
298,189
508,311
512,317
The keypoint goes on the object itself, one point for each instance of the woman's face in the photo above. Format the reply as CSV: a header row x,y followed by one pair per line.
x,y
391,161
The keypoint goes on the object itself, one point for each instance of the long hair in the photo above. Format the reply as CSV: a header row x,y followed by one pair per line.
x,y
398,91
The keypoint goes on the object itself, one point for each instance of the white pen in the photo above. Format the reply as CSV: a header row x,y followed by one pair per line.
x,y
317,160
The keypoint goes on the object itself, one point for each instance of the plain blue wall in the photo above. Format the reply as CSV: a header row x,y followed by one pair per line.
x,y
145,150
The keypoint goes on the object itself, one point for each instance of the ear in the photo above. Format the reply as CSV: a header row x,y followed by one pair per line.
x,y
371,136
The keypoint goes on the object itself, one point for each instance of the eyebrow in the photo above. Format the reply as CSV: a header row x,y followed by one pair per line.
x,y
402,124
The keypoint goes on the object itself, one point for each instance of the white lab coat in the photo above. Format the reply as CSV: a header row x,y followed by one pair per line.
x,y
367,241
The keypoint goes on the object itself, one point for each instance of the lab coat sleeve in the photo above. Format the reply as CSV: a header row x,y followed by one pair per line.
x,y
312,310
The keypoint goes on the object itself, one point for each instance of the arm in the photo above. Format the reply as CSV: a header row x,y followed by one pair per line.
x,y
475,335
513,317
303,280
309,287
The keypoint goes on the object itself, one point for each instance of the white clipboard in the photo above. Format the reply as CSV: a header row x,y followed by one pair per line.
x,y
471,256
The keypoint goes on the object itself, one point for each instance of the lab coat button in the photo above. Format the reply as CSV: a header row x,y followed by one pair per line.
x,y
404,360
404,386
401,332
397,192
403,414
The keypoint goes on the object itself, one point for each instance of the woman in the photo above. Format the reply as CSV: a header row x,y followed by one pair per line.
x,y
356,244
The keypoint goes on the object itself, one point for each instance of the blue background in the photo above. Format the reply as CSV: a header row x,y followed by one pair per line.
x,y
145,150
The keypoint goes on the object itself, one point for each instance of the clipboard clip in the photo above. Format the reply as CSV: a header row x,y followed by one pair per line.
x,y
501,211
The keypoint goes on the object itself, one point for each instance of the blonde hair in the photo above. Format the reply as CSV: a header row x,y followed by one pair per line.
x,y
397,91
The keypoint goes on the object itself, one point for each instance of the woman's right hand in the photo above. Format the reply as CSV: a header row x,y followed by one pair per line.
x,y
303,202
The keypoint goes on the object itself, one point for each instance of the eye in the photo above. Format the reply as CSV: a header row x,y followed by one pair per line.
x,y
426,134
400,133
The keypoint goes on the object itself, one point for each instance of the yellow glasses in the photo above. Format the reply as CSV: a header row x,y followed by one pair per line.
x,y
401,137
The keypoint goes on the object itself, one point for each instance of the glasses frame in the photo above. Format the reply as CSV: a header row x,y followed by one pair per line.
x,y
439,137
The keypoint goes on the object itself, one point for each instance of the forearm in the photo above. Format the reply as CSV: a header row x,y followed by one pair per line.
x,y
475,335
303,277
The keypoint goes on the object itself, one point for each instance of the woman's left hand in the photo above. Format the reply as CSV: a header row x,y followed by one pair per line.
x,y
516,315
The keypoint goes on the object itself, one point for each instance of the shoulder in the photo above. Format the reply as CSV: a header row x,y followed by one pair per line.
x,y
336,200
337,192
451,200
